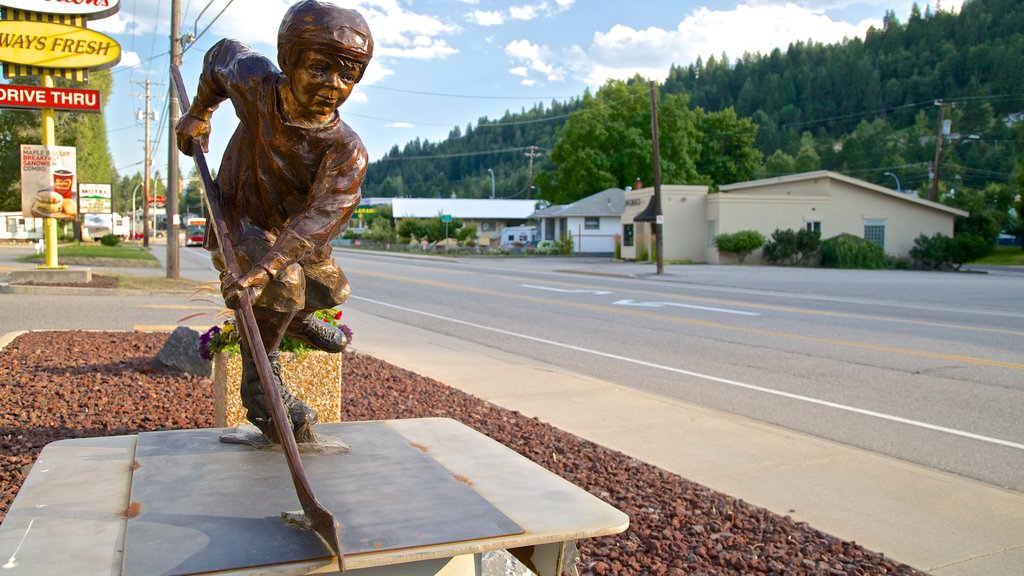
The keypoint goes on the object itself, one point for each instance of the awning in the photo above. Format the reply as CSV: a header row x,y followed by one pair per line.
x,y
649,214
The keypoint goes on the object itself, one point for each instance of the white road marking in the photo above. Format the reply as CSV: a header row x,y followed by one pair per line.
x,y
567,290
678,305
790,395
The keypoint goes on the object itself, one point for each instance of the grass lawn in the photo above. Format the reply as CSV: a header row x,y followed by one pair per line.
x,y
1004,256
85,253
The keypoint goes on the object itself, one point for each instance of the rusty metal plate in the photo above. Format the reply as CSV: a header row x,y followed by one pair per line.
x,y
199,505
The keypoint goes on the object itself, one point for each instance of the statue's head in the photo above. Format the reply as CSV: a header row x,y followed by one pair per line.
x,y
327,29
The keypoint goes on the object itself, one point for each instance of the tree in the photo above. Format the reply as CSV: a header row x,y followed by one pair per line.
x,y
727,152
608,143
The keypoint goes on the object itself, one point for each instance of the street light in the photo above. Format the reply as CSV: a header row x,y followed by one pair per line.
x,y
898,187
136,189
492,183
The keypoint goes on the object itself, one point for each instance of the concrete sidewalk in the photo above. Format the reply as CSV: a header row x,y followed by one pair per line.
x,y
934,521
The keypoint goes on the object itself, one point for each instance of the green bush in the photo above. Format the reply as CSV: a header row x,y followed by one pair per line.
x,y
790,247
110,240
849,251
565,245
940,252
741,243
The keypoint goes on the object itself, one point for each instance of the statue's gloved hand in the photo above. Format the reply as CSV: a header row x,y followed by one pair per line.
x,y
192,128
252,282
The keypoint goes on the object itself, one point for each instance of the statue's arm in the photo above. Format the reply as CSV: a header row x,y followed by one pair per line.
x,y
333,200
229,70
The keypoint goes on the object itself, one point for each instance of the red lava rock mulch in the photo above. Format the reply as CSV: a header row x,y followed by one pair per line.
x,y
56,385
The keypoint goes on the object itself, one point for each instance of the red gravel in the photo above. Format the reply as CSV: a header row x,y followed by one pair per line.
x,y
57,385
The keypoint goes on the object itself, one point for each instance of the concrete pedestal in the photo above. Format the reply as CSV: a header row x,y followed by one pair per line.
x,y
415,497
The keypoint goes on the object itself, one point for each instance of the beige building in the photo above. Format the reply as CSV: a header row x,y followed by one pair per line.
x,y
824,201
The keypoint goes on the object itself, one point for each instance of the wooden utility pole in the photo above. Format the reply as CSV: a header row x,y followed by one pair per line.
x,y
934,196
529,177
173,268
659,256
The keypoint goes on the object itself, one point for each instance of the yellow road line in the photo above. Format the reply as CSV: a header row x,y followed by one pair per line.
x,y
707,324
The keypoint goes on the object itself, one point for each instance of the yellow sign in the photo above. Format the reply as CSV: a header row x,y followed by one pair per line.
x,y
50,45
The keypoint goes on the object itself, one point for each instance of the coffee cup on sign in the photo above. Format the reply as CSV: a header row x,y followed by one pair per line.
x,y
62,182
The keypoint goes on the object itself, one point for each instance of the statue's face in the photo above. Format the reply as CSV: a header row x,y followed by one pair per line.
x,y
320,83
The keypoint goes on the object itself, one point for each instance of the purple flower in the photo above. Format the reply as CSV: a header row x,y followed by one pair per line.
x,y
346,330
205,339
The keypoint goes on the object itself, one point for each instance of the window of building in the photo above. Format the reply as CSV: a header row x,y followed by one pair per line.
x,y
627,234
874,231
814,226
591,223
488,226
712,232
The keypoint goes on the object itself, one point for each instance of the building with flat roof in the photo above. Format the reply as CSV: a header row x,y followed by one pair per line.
x,y
824,201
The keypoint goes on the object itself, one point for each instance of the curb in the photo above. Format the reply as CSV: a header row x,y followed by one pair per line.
x,y
10,336
6,288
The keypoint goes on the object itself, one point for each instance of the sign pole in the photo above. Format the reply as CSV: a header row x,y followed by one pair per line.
x,y
49,224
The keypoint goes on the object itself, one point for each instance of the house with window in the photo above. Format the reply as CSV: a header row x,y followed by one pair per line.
x,y
594,222
827,202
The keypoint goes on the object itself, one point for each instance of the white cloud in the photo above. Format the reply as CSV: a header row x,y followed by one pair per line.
x,y
484,18
535,58
401,125
523,12
129,59
519,71
622,51
398,32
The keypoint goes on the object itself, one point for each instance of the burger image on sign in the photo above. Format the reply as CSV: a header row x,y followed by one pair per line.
x,y
50,204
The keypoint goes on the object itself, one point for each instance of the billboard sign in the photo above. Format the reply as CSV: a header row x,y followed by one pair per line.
x,y
94,199
48,182
68,99
52,45
90,9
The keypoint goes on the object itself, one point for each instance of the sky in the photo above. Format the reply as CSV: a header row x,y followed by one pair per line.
x,y
439,64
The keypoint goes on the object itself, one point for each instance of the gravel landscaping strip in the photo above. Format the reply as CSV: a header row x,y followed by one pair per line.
x,y
56,385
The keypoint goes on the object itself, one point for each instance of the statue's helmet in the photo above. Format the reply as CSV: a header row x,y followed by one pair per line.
x,y
327,28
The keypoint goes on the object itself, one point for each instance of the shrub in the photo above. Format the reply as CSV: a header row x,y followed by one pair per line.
x,y
789,247
940,252
849,251
741,243
548,247
565,245
110,240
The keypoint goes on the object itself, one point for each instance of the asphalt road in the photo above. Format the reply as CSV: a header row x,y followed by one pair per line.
x,y
926,367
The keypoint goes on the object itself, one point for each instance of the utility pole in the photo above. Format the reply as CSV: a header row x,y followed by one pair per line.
x,y
656,157
145,180
529,178
934,196
173,268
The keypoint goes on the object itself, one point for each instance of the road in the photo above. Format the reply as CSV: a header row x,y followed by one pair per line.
x,y
925,367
